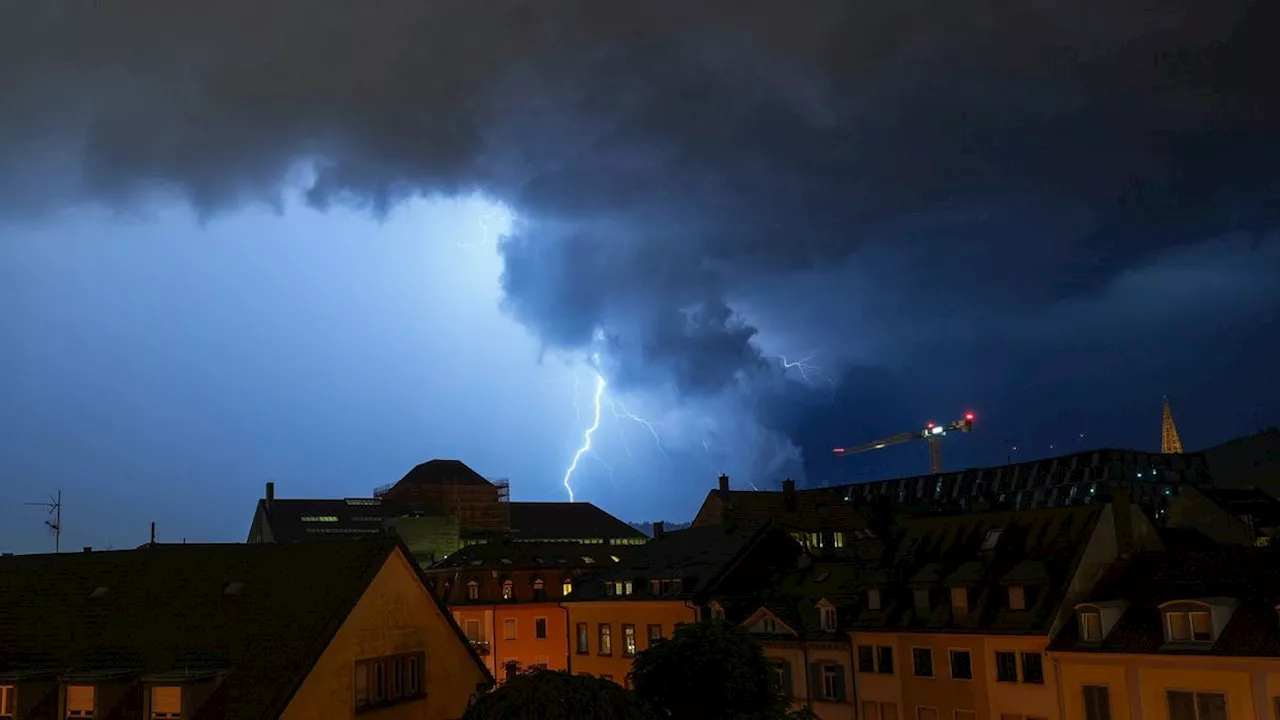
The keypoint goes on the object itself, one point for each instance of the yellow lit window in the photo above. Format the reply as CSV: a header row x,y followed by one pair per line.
x,y
166,703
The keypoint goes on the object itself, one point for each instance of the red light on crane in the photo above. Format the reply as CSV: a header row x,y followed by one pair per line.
x,y
837,451
929,426
968,416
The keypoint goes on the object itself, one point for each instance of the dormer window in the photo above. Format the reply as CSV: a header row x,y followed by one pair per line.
x,y
873,599
566,586
473,590
1017,597
539,590
1188,626
1091,626
717,611
959,601
166,702
80,701
508,589
827,617
921,597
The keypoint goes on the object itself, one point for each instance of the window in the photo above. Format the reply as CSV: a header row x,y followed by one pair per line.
x,y
80,701
7,701
1193,626
507,589
583,636
1033,668
961,665
539,590
717,612
473,631
926,713
540,628
1091,626
873,599
606,639
993,537
866,659
1097,702
884,657
508,628
769,625
920,596
655,634
832,682
166,702
959,601
1185,705
388,680
540,662
779,678
828,619
566,586
629,640
1017,597
473,590
922,662
837,539
1006,667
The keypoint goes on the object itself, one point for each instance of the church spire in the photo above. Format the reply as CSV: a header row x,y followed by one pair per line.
x,y
1169,440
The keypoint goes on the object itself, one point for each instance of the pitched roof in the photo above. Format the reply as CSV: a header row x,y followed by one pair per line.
x,y
444,472
166,607
984,553
696,556
815,509
534,556
303,520
1250,576
794,598
567,520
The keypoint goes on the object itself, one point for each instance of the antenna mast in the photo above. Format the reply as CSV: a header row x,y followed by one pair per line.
x,y
55,523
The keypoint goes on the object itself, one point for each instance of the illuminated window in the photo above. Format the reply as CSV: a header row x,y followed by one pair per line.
x,y
566,586
80,701
473,590
1090,626
605,639
837,539
6,701
828,619
1193,626
507,589
166,703
629,640
320,518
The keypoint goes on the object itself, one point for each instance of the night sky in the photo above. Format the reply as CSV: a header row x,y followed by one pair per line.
x,y
318,242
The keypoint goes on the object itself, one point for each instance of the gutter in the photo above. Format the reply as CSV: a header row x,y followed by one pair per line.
x,y
853,675
808,681
569,641
1057,676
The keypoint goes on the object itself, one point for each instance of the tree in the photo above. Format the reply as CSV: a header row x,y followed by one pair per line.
x,y
708,671
549,695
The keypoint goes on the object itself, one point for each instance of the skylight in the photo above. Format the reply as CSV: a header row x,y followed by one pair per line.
x,y
822,576
363,501
233,588
587,559
98,592
993,537
319,518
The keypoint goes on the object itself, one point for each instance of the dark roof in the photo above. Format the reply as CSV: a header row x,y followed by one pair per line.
x,y
444,472
1250,576
696,556
165,608
815,509
534,556
1252,502
302,520
794,599
564,521
941,552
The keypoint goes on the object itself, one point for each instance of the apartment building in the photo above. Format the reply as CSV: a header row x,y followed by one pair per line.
x,y
1177,635
229,632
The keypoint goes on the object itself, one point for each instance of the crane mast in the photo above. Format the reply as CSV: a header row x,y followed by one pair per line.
x,y
931,433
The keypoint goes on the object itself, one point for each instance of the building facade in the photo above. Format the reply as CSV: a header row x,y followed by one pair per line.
x,y
230,632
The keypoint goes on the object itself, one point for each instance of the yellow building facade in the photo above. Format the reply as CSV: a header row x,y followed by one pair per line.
x,y
606,635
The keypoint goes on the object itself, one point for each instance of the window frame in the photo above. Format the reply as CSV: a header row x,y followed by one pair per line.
x,y
951,663
916,654
604,639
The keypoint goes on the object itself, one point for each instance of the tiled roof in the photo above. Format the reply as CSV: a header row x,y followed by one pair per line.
x,y
1250,576
695,555
303,520
983,552
166,607
812,509
566,521
535,556
794,599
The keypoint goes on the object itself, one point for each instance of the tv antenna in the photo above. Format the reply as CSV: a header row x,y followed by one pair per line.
x,y
54,523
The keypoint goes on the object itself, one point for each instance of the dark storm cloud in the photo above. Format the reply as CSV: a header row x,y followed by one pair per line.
x,y
665,157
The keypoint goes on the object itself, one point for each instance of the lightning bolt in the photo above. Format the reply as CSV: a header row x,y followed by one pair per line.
x,y
490,224
586,436
620,412
808,372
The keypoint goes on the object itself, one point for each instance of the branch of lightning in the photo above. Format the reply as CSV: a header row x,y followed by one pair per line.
x,y
599,401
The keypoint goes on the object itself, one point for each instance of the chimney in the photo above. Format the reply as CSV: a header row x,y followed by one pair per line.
x,y
153,533
659,529
724,483
789,494
271,492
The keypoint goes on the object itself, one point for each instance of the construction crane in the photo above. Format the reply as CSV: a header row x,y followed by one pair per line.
x,y
931,432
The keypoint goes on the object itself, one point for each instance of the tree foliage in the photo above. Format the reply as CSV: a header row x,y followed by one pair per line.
x,y
548,695
708,671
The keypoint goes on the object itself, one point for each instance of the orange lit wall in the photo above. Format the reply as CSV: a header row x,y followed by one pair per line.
x,y
616,614
396,615
498,648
